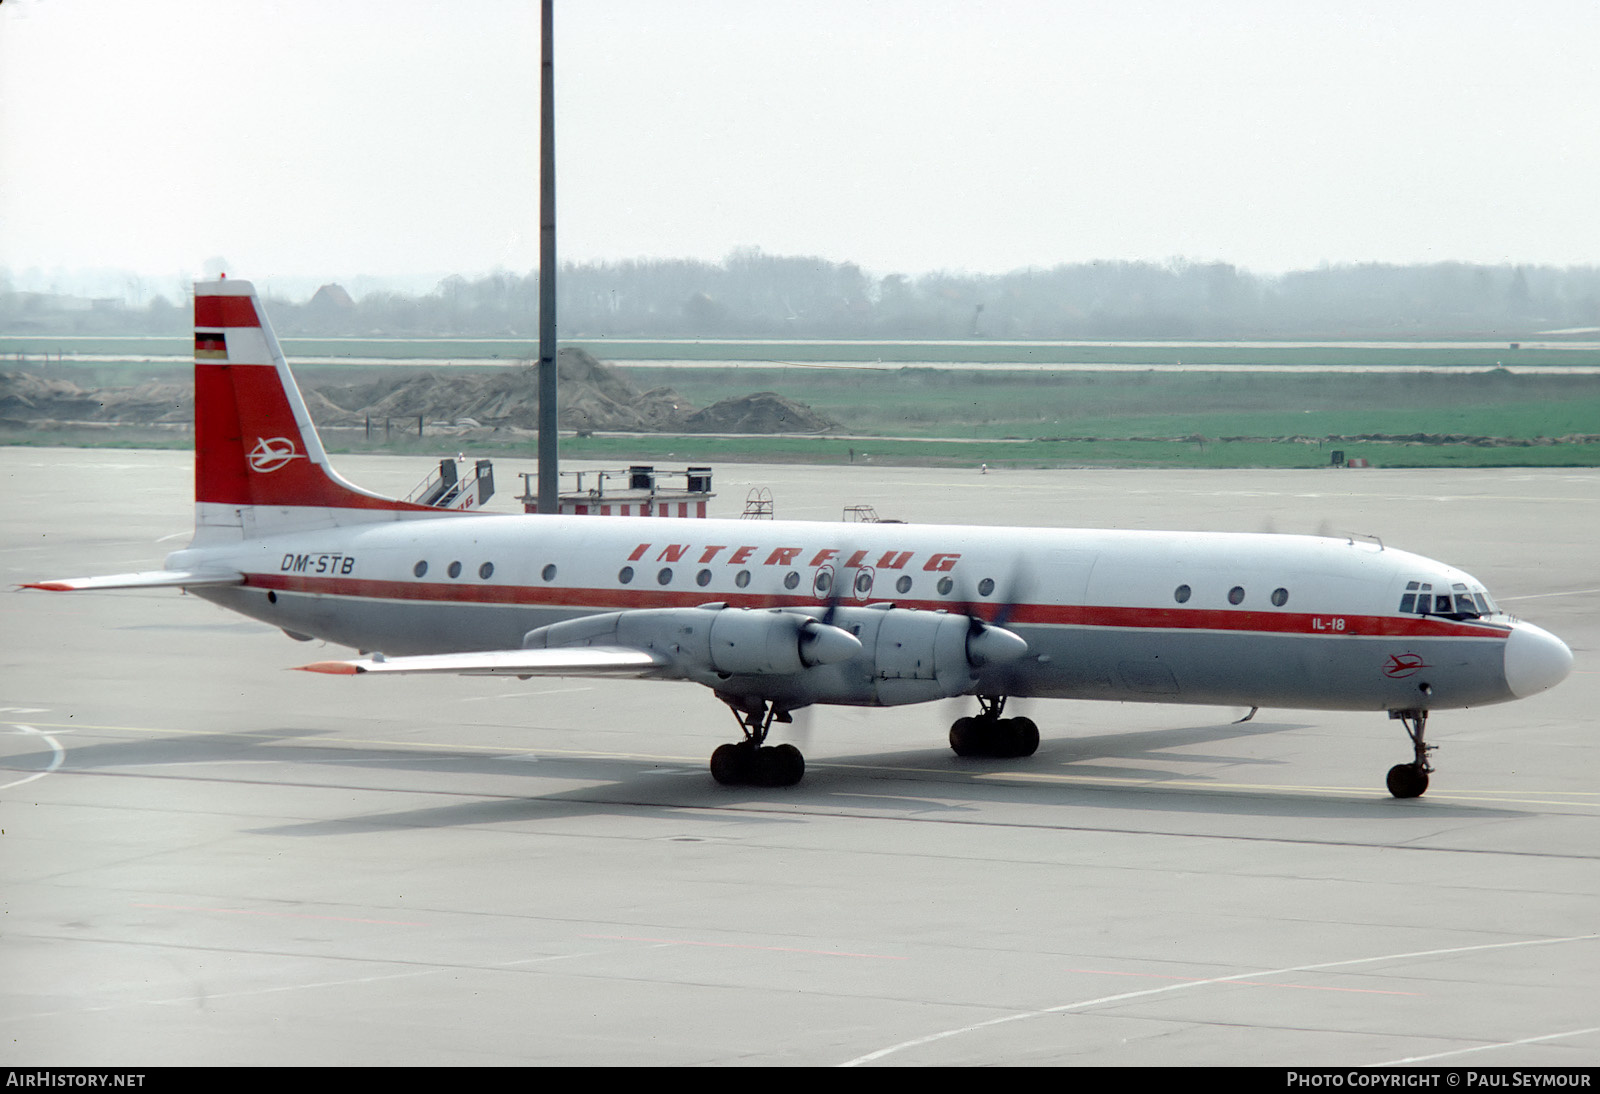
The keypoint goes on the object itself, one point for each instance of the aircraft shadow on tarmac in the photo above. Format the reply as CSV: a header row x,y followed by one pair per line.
x,y
932,783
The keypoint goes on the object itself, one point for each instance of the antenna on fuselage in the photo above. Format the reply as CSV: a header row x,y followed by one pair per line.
x,y
549,471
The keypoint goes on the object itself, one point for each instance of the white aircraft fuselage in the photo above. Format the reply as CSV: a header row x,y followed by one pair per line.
x,y
1214,618
778,615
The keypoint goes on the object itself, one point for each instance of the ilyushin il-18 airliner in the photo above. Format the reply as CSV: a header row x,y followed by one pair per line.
x,y
775,616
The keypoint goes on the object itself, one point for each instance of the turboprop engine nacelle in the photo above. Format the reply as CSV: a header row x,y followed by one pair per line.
x,y
726,641
913,656
877,655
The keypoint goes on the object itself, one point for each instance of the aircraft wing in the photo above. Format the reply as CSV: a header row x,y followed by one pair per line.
x,y
148,579
575,661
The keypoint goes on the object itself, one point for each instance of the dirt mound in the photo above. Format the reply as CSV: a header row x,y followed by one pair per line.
x,y
595,396
25,397
763,412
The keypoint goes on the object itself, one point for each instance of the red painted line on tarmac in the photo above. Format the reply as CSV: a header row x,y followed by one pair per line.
x,y
1247,983
282,915
739,946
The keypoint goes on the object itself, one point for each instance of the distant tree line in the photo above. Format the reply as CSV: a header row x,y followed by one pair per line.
x,y
753,294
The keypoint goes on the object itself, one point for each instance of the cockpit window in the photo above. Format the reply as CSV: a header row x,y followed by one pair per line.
x,y
1460,602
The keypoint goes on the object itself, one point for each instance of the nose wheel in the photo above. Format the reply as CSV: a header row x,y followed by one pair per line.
x,y
1410,780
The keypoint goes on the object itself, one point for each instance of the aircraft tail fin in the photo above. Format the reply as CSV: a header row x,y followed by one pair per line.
x,y
259,465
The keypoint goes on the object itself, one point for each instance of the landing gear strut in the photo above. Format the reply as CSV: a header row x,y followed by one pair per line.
x,y
991,735
1410,780
752,762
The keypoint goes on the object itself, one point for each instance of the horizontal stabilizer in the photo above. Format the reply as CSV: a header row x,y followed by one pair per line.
x,y
148,579
580,661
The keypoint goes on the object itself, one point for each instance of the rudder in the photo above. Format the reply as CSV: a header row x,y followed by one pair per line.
x,y
259,464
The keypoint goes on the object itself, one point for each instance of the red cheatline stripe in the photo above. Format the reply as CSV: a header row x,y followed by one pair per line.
x,y
1069,615
225,311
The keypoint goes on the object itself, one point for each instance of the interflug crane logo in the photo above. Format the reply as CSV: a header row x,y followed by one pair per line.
x,y
1402,665
273,454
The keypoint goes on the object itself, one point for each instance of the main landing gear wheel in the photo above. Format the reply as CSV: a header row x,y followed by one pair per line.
x,y
745,764
992,736
752,762
1411,780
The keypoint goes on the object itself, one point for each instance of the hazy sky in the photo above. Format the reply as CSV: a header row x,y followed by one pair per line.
x,y
331,138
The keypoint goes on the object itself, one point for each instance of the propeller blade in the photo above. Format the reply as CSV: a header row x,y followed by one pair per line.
x,y
989,642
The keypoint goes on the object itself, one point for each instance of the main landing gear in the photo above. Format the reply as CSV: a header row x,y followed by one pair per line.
x,y
991,735
752,762
1410,780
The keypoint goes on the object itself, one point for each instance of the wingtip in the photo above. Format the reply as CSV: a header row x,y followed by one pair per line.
x,y
49,586
331,668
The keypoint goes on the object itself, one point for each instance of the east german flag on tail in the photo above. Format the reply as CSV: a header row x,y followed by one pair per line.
x,y
210,346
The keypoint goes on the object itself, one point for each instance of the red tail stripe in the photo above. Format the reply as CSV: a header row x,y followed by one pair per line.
x,y
225,311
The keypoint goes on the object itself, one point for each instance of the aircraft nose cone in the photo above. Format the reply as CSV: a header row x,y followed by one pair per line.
x,y
1535,660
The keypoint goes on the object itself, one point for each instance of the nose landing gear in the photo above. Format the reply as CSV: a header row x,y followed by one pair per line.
x,y
1410,780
